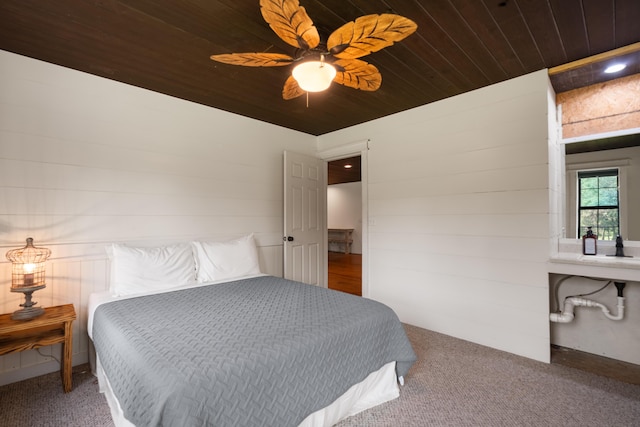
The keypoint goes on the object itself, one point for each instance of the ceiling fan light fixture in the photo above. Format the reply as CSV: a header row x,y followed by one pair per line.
x,y
357,38
314,76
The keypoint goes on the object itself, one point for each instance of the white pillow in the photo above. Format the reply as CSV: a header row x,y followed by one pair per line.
x,y
226,260
136,270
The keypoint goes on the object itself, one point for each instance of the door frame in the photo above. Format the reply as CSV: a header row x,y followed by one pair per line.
x,y
359,148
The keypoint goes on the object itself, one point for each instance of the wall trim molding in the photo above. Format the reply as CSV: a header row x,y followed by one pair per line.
x,y
603,135
345,150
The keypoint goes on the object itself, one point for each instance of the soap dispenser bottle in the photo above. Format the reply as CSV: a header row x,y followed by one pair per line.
x,y
589,243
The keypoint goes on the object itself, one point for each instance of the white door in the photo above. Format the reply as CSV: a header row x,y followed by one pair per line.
x,y
304,218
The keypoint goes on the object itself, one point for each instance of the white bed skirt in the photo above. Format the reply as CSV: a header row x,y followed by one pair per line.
x,y
379,387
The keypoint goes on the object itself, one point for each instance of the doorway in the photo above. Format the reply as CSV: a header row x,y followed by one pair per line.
x,y
344,223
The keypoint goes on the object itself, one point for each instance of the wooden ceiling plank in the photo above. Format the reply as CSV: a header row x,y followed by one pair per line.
x,y
349,10
539,18
517,34
211,21
330,15
599,17
453,24
569,18
424,76
448,59
627,14
485,27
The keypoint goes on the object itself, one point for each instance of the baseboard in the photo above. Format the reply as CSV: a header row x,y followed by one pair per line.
x,y
24,373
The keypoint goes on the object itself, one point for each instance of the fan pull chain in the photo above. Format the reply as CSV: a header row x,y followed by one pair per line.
x,y
307,99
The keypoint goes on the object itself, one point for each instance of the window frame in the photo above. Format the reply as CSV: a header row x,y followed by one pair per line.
x,y
570,225
597,173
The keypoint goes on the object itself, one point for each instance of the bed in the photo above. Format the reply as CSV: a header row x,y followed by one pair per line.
x,y
237,348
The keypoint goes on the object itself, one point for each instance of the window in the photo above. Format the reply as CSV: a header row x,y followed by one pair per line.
x,y
599,203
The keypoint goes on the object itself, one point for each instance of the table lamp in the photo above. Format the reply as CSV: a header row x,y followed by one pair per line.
x,y
27,276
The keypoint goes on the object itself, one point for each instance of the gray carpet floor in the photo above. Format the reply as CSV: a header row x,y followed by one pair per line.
x,y
454,383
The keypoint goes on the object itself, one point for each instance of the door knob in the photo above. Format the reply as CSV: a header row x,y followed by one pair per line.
x,y
288,238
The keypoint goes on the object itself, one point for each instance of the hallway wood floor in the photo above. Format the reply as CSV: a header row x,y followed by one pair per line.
x,y
345,272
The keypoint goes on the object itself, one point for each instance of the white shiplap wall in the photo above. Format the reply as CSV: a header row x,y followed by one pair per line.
x,y
85,161
459,213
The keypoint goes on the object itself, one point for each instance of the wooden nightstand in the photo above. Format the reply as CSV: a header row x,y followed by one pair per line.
x,y
53,327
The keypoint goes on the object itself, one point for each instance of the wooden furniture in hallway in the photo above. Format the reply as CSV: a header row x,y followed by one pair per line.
x,y
345,272
343,236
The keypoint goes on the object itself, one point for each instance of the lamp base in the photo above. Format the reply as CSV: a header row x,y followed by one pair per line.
x,y
27,313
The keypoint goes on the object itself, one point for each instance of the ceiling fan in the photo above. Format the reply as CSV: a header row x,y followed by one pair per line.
x,y
321,61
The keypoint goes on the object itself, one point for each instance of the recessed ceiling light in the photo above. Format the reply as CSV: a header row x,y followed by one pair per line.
x,y
348,166
615,68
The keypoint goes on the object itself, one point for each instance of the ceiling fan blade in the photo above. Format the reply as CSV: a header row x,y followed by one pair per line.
x,y
357,74
291,89
254,59
368,34
290,22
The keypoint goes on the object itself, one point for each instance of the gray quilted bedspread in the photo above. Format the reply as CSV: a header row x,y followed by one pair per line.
x,y
257,352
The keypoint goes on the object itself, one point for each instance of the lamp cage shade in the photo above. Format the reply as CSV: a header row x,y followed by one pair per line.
x,y
28,266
